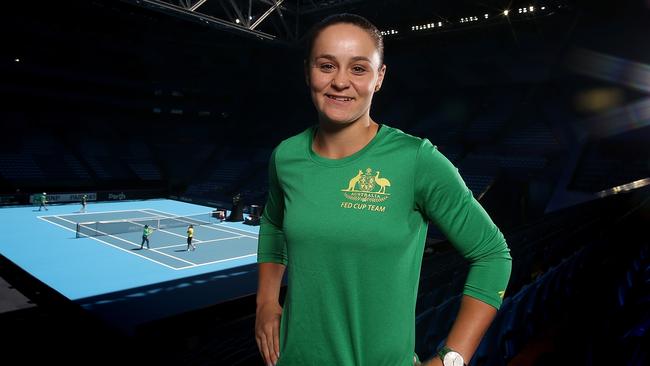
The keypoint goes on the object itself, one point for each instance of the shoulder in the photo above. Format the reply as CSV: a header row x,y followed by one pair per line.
x,y
425,154
293,144
404,140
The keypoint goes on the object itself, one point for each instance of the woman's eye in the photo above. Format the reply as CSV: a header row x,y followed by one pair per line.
x,y
326,67
358,69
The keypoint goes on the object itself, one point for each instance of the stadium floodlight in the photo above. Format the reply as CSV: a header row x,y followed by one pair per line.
x,y
532,8
505,12
486,15
439,24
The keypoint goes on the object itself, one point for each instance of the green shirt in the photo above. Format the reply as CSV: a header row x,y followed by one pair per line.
x,y
352,232
147,231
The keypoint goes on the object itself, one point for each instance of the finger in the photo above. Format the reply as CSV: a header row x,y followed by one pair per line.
x,y
271,344
276,340
259,347
265,349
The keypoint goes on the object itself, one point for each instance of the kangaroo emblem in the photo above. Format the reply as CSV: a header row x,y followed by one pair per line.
x,y
354,181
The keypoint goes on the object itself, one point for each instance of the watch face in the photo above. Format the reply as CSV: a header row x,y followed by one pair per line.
x,y
453,359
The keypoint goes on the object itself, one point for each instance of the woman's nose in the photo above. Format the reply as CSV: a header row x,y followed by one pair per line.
x,y
340,80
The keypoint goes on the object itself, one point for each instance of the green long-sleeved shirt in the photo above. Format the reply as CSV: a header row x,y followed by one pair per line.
x,y
352,232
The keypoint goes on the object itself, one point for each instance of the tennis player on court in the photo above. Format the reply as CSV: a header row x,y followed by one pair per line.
x,y
146,232
347,212
190,236
42,200
84,202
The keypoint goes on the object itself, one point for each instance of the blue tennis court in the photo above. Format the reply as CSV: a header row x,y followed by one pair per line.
x,y
110,274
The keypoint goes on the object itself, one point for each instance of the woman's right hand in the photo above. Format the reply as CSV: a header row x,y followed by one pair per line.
x,y
267,330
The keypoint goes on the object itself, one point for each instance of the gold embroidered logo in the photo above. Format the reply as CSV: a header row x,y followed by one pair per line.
x,y
367,187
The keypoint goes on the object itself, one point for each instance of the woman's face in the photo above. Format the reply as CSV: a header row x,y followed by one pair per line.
x,y
343,73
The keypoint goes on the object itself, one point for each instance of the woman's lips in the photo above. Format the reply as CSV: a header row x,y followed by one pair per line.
x,y
338,99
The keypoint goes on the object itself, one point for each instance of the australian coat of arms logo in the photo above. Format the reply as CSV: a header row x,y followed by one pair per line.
x,y
367,187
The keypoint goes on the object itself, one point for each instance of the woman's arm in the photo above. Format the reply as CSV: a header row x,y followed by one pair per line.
x,y
444,198
473,320
269,282
269,311
272,260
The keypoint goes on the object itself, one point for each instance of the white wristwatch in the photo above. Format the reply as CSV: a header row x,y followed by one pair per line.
x,y
450,357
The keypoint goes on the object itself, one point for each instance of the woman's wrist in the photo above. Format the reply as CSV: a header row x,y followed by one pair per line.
x,y
432,362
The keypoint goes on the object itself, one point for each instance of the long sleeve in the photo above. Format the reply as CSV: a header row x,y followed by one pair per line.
x,y
271,246
442,196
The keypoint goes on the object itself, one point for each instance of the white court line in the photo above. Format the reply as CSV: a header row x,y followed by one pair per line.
x,y
200,242
130,242
211,227
115,246
219,261
93,213
234,228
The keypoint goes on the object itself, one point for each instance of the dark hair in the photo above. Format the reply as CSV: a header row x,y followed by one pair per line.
x,y
346,18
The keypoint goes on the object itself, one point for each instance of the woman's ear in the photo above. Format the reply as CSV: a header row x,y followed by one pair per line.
x,y
380,78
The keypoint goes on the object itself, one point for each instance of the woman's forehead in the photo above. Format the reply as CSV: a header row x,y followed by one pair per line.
x,y
345,40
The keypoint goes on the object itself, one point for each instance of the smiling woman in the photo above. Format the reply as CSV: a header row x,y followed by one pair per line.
x,y
343,70
347,212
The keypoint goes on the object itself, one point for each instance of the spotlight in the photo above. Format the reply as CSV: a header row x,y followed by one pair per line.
x,y
505,12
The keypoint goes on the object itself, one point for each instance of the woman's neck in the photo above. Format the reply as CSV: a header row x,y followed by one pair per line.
x,y
339,141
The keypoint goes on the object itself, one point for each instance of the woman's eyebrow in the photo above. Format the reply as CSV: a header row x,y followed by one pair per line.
x,y
333,58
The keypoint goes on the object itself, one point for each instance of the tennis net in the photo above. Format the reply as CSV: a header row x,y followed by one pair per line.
x,y
100,228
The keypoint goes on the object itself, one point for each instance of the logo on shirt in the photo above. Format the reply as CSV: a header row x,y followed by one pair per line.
x,y
367,186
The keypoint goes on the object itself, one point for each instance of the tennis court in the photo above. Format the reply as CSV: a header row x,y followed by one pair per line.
x,y
107,272
167,244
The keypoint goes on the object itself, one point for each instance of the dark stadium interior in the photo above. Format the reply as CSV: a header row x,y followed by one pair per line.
x,y
546,117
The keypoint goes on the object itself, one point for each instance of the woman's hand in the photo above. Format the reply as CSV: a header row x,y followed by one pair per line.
x,y
267,330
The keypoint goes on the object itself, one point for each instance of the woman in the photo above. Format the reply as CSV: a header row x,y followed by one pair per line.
x,y
347,212
190,236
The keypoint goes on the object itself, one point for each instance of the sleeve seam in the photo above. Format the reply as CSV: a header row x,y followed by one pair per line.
x,y
415,173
